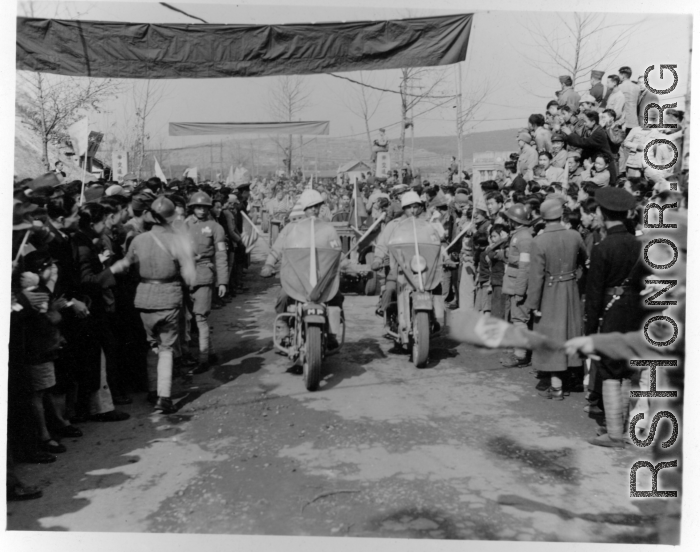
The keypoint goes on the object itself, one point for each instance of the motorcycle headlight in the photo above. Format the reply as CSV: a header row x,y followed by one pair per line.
x,y
418,264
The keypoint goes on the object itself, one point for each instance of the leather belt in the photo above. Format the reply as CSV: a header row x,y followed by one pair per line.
x,y
561,277
160,280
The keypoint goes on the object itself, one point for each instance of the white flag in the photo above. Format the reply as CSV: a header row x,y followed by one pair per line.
x,y
191,172
229,178
159,171
79,133
310,185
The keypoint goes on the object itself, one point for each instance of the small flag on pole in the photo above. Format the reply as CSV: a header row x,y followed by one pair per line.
x,y
310,185
78,133
191,172
159,172
250,233
230,179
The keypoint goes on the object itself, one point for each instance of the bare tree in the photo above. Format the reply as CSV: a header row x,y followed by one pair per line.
x,y
469,102
146,95
575,43
364,102
50,104
288,97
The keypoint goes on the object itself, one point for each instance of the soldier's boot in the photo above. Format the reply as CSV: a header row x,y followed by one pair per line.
x,y
612,400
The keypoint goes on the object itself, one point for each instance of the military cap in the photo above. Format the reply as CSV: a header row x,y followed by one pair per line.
x,y
587,98
564,79
558,137
115,189
552,209
615,199
595,74
573,155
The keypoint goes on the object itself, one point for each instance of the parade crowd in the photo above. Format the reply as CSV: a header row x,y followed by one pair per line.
x,y
113,283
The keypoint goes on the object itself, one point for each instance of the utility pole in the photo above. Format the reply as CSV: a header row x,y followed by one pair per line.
x,y
221,158
458,119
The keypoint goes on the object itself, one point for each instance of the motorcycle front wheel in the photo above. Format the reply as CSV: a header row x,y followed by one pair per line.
x,y
314,357
421,339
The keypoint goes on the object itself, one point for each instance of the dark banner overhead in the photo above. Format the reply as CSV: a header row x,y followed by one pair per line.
x,y
201,129
153,51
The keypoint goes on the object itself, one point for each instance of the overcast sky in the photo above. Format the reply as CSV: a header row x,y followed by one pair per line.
x,y
494,59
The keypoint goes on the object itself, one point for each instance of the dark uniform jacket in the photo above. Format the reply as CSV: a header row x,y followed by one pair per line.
x,y
613,261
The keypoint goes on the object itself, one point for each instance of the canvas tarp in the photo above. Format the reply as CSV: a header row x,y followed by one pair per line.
x,y
202,129
174,51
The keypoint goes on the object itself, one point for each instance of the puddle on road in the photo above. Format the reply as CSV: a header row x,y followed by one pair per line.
x,y
162,469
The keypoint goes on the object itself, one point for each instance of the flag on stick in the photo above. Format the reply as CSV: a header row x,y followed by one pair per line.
x,y
310,185
229,179
78,133
159,172
358,210
250,233
191,172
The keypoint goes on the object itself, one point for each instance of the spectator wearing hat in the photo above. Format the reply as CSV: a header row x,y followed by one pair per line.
x,y
596,141
597,90
553,296
559,151
528,155
616,99
613,285
568,96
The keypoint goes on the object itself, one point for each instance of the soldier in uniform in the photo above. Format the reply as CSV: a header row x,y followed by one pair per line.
x,y
613,304
559,151
163,257
209,242
515,280
553,294
311,202
597,89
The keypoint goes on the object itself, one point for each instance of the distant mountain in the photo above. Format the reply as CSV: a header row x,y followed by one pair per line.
x,y
494,140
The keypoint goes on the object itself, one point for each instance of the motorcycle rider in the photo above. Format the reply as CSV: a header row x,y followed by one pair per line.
x,y
209,241
412,207
310,202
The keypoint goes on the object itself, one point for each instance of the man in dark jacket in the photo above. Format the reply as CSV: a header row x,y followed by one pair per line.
x,y
594,141
613,304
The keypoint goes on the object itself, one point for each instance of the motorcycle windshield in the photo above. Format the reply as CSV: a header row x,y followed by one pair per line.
x,y
295,274
402,247
305,238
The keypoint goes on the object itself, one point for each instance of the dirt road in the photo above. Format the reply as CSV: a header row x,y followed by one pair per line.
x,y
463,449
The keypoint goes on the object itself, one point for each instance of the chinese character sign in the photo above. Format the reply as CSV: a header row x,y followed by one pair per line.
x,y
383,164
120,165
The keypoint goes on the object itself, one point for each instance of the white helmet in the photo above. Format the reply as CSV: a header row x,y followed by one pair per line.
x,y
410,198
309,198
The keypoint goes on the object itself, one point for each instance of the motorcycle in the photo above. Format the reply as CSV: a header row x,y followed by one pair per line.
x,y
310,277
415,248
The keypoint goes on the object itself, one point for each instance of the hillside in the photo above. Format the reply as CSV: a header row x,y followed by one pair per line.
x,y
261,155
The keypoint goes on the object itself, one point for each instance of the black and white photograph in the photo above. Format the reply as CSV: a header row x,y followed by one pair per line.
x,y
353,275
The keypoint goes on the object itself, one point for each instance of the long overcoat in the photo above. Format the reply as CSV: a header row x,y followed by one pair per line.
x,y
552,289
